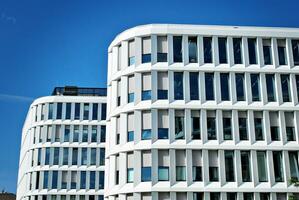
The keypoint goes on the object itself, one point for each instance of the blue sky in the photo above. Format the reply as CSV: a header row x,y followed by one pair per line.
x,y
48,43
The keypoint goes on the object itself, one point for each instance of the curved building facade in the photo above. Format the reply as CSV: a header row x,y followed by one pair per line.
x,y
63,146
202,112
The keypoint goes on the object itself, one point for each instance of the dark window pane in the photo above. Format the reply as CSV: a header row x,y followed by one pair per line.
x,y
162,133
177,49
103,111
130,136
297,85
146,95
285,87
227,129
195,128
101,180
267,54
258,129
264,196
237,42
247,196
209,86
77,110
180,173
245,165
59,111
192,45
214,196
146,174
231,196
75,156
224,83
290,131
229,166
252,51
178,86
50,111
68,111
162,94
207,44
146,134
243,129
278,166
240,87
83,180
270,83
102,156
54,179
274,133
255,87
295,47
95,111
103,134
197,176
222,49
211,128
262,166
194,89
213,173
179,128
85,111
282,55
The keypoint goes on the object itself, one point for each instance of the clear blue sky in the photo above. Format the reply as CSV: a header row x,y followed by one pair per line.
x,y
48,43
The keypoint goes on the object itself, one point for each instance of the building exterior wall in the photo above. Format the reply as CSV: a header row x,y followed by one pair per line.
x,y
63,141
202,112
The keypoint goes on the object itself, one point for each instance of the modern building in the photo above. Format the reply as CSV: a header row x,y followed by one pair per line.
x,y
63,146
202,112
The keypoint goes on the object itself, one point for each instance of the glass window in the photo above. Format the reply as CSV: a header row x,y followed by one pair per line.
x,y
294,168
278,166
65,156
50,111
240,87
194,88
47,156
281,48
229,166
198,195
207,45
196,173
103,111
179,126
270,82
130,127
83,180
102,156
247,196
214,196
68,111
180,173
195,127
118,100
213,172
258,127
162,85
255,87
243,128
227,128
101,179
285,87
46,179
86,111
252,51
75,156
94,111
93,156
290,131
163,173
59,111
295,47
297,85
274,126
94,134
67,133
211,128
231,196
43,112
64,179
178,86
262,166
130,175
162,49
92,180
163,126
224,83
192,46
84,156
146,174
209,83
56,156
245,166
77,110
131,53
267,52
146,86
85,134
146,49
237,46
103,134
131,88
54,179
264,196
73,180
222,49
177,49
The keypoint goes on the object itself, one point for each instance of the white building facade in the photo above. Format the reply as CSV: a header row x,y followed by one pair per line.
x,y
202,112
63,146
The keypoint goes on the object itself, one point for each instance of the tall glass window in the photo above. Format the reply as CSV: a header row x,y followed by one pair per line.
x,y
162,85
131,89
179,125
252,51
295,47
262,166
240,87
243,127
224,84
209,86
146,86
83,180
85,134
73,180
281,49
146,133
285,87
222,49
65,156
180,159
86,111
59,111
194,88
68,111
258,127
214,196
178,86
77,110
255,87
64,179
102,156
207,45
54,179
50,111
267,52
163,124
297,85
290,127
192,46
94,134
278,166
162,49
56,156
213,165
75,156
92,179
248,196
146,49
245,165
227,128
177,49
84,156
270,82
180,173
47,156
195,120
93,156
103,111
101,180
131,59
211,128
294,167
103,134
67,133
130,134
274,126
237,46
95,111
229,166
